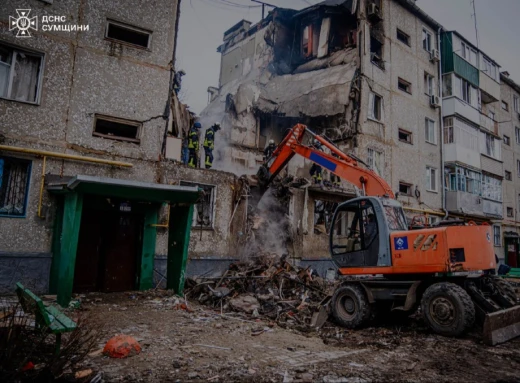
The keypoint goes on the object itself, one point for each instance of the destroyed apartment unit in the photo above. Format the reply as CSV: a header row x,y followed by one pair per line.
x,y
93,196
328,66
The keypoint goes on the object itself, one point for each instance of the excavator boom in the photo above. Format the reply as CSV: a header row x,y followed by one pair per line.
x,y
337,162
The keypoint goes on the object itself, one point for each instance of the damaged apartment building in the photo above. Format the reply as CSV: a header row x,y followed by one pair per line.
x,y
92,194
364,74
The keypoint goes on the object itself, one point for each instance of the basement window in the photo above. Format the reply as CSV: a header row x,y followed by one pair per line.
x,y
405,136
14,186
403,37
117,129
128,34
204,213
404,85
405,188
508,175
510,212
20,74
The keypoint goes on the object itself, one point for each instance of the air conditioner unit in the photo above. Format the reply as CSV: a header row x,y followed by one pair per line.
x,y
435,101
434,55
373,11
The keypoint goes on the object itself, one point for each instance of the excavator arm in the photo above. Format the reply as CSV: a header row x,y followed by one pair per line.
x,y
341,164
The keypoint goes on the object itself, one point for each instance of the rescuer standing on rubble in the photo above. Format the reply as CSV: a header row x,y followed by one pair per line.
x,y
209,144
316,170
193,145
269,150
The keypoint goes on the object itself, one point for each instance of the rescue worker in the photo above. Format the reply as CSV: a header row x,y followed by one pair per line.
x,y
178,81
269,150
193,145
316,170
334,179
209,144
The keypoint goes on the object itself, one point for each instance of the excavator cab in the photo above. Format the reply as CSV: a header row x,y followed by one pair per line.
x,y
360,233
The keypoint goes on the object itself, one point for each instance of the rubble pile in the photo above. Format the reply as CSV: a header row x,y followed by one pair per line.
x,y
270,287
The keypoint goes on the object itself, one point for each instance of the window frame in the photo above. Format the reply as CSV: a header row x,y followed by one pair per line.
x,y
508,176
27,185
373,155
408,134
507,140
41,71
407,185
406,35
213,204
429,36
516,101
497,240
426,127
372,103
139,125
508,209
404,86
504,105
429,82
135,28
429,178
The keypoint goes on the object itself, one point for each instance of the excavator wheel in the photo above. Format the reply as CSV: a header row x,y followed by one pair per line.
x,y
448,309
350,306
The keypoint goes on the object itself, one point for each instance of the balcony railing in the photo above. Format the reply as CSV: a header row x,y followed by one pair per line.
x,y
488,124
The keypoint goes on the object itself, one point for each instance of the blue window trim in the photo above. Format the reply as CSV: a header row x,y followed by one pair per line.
x,y
27,188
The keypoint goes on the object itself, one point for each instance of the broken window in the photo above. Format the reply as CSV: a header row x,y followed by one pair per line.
x,y
323,214
374,160
14,186
376,107
505,106
376,52
128,34
405,188
510,212
117,129
508,175
427,40
204,212
405,136
20,74
404,85
429,84
310,40
507,140
403,37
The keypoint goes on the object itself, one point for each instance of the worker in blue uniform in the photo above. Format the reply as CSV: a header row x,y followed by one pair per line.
x,y
209,144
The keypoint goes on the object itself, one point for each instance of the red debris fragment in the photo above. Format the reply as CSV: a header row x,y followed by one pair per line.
x,y
28,366
121,346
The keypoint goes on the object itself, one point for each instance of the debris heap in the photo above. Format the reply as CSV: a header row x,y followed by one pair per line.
x,y
267,286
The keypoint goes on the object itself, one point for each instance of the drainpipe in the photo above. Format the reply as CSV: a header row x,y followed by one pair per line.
x,y
443,189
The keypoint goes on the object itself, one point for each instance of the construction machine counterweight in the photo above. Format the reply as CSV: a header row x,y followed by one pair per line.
x,y
447,270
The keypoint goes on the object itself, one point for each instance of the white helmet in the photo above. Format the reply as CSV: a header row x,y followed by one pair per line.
x,y
271,142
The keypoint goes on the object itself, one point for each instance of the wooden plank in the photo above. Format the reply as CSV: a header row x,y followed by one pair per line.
x,y
61,322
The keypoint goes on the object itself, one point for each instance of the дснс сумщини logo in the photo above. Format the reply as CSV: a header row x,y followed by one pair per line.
x,y
23,23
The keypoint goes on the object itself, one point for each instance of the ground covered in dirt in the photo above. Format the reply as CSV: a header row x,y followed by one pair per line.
x,y
196,343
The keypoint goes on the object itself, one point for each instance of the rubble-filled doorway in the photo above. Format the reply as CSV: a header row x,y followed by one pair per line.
x,y
109,250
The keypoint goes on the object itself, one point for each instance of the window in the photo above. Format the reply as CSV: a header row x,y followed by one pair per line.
x,y
20,74
310,40
507,140
496,235
447,85
128,34
403,37
14,186
117,129
518,167
466,91
510,212
405,189
429,131
204,212
516,107
405,136
517,134
491,188
505,106
492,146
431,179
468,53
427,40
376,52
489,68
403,85
376,107
429,85
508,175
374,161
432,220
463,179
461,133
323,214
491,115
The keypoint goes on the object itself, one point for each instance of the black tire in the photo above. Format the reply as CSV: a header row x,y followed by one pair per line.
x,y
448,309
350,306
506,293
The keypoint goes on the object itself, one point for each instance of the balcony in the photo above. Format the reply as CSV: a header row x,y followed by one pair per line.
x,y
490,89
465,203
492,208
452,105
489,124
492,165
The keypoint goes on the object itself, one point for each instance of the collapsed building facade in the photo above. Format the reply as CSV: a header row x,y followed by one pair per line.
x,y
92,194
362,73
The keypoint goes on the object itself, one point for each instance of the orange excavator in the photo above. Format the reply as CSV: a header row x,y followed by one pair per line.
x,y
448,270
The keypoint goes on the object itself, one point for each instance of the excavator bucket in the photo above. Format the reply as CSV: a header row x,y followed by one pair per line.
x,y
501,326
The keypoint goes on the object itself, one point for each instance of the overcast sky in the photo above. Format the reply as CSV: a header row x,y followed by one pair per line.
x,y
203,23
